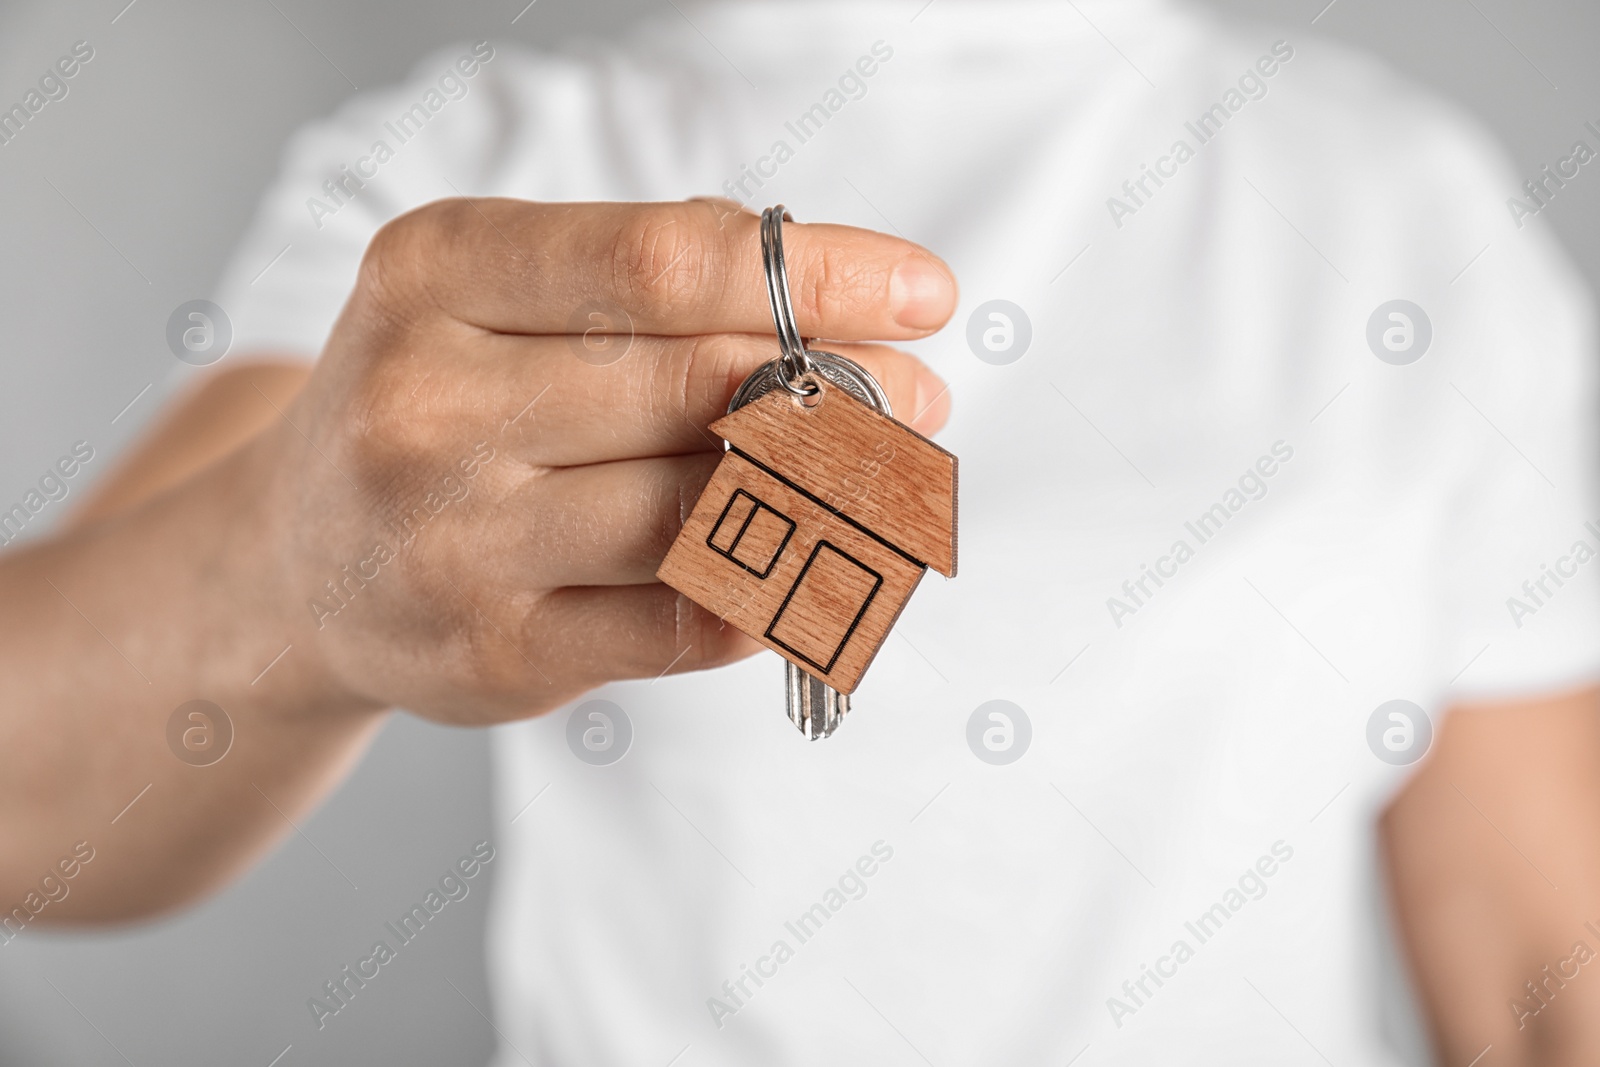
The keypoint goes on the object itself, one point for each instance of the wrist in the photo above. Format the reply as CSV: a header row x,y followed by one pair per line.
x,y
275,569
238,525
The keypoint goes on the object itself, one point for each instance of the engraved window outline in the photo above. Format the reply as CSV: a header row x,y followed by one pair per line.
x,y
733,546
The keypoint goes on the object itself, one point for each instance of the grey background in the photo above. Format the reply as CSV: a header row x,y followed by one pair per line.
x,y
123,200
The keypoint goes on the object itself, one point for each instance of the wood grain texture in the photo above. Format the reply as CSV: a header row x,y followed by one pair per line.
x,y
816,528
825,599
874,470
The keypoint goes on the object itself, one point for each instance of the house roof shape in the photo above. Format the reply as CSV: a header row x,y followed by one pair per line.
x,y
863,465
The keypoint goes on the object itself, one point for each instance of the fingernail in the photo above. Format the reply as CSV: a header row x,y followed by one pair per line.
x,y
921,295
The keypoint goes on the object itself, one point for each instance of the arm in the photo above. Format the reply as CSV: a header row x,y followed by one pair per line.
x,y
1493,856
451,513
145,602
233,405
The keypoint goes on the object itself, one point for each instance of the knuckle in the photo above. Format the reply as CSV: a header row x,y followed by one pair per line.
x,y
379,411
397,265
835,288
661,502
710,370
491,663
666,635
566,521
390,418
710,641
661,258
674,497
385,267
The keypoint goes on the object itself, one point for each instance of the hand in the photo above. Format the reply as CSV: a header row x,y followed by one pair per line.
x,y
468,510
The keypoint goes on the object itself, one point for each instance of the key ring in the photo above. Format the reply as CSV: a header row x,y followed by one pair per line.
x,y
796,360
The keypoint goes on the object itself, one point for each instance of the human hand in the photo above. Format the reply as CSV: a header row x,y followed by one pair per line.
x,y
467,503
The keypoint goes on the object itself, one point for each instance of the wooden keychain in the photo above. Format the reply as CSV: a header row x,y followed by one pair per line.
x,y
821,518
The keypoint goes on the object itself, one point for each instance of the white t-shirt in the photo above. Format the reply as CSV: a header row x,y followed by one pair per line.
x,y
1180,867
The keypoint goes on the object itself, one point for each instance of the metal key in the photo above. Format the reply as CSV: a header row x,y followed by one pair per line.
x,y
793,542
815,707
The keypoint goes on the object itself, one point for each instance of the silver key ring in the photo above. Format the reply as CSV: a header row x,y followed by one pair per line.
x,y
796,360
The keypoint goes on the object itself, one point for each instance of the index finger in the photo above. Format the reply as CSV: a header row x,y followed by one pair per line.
x,y
513,266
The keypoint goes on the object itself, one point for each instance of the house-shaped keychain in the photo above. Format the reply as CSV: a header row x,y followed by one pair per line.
x,y
816,527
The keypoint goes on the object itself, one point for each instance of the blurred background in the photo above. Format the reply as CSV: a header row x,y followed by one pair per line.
x,y
127,203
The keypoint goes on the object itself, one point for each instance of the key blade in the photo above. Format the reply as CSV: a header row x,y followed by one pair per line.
x,y
815,708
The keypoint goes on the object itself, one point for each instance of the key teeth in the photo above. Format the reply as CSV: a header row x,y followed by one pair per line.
x,y
811,700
